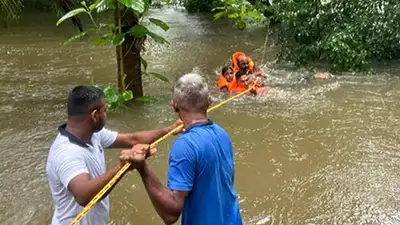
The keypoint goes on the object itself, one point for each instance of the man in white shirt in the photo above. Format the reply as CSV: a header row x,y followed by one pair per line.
x,y
76,166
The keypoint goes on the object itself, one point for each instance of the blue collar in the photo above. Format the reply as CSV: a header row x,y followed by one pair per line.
x,y
199,124
71,137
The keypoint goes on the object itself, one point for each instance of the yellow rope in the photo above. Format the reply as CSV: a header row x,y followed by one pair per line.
x,y
120,173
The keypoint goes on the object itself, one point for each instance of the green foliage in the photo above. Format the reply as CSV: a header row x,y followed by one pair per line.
x,y
348,34
242,12
114,36
139,31
137,5
10,9
71,13
193,6
114,98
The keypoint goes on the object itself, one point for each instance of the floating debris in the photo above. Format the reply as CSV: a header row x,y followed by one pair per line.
x,y
263,221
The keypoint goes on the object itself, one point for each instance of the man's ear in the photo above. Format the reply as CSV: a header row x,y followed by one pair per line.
x,y
93,115
209,101
174,106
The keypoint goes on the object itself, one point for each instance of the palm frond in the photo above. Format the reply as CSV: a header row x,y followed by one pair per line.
x,y
10,9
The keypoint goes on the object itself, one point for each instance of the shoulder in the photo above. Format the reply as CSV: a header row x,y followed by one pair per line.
x,y
219,129
61,151
105,133
183,146
181,142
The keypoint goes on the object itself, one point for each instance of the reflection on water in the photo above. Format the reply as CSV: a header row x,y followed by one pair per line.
x,y
319,153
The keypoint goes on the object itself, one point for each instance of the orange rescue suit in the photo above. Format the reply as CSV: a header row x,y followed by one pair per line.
x,y
222,82
235,63
237,86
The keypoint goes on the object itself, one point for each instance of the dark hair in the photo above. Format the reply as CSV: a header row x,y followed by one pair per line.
x,y
225,69
81,98
240,73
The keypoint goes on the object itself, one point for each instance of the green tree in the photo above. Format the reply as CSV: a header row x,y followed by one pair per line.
x,y
128,33
347,35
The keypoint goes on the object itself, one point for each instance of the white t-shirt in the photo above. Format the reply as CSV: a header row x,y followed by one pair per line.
x,y
69,157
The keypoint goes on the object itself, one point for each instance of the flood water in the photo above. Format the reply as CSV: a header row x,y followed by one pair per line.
x,y
320,153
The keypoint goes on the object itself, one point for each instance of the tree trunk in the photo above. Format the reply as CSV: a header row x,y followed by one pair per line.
x,y
128,54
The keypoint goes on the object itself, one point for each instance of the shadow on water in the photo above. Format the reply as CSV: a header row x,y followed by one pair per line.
x,y
318,153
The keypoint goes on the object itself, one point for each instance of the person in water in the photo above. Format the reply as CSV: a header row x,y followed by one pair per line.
x,y
244,81
240,61
225,78
76,167
201,164
315,76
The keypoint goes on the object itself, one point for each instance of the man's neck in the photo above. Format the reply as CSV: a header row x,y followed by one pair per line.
x,y
190,118
79,130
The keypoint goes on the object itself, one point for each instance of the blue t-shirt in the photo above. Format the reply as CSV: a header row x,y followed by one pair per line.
x,y
201,162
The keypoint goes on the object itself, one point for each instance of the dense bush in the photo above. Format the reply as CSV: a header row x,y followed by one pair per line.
x,y
199,5
348,34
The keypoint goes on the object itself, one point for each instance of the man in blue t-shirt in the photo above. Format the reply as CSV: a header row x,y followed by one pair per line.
x,y
201,165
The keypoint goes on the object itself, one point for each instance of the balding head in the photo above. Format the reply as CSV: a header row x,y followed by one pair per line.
x,y
243,62
191,93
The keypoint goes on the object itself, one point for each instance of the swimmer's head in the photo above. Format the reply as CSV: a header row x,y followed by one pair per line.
x,y
243,62
228,73
241,76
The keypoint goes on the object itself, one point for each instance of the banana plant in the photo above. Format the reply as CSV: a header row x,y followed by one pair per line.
x,y
241,11
111,33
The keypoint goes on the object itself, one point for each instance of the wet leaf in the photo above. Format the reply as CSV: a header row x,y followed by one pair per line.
x,y
100,41
76,36
118,39
219,15
105,39
137,5
218,8
159,76
144,63
159,23
241,25
92,6
104,5
70,14
127,95
255,15
111,26
242,9
233,15
146,5
83,3
147,99
157,38
138,31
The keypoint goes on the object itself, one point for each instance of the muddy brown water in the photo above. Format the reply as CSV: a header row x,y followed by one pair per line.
x,y
321,153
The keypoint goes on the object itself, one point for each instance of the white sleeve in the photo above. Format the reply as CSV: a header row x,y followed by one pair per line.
x,y
107,137
69,164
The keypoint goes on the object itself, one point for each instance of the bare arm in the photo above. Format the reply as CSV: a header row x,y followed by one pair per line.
x,y
84,188
168,203
224,88
127,140
258,72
